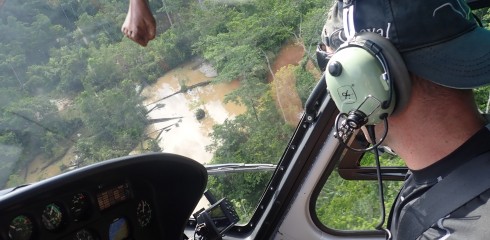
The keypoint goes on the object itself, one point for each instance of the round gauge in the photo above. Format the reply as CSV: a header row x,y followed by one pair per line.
x,y
84,235
143,213
20,228
52,216
80,206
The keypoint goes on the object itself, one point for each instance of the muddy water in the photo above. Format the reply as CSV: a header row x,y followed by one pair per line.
x,y
284,86
291,53
187,136
40,168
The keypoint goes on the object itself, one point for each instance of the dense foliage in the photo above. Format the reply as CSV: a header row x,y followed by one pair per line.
x,y
65,67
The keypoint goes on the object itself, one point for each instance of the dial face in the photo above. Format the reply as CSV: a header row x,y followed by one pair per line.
x,y
80,206
52,216
143,213
84,235
20,228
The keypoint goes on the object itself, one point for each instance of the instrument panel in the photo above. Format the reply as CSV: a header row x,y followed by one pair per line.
x,y
114,213
138,197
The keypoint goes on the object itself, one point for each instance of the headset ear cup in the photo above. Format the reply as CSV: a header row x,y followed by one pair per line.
x,y
398,69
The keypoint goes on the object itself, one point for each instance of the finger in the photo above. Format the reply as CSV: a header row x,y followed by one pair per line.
x,y
127,33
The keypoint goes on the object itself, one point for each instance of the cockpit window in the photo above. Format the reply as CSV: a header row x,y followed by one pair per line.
x,y
349,204
223,82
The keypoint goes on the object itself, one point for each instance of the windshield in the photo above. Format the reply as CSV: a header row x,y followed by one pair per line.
x,y
222,82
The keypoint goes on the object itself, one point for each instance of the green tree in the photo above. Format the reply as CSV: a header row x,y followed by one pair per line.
x,y
170,49
305,82
238,50
114,121
248,139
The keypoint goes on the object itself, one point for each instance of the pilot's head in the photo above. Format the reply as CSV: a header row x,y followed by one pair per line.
x,y
439,40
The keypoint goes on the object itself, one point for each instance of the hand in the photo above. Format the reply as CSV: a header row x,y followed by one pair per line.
x,y
139,25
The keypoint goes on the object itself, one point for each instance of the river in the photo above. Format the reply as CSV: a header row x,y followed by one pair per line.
x,y
186,136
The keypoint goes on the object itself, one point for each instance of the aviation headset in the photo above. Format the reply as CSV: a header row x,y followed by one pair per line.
x,y
368,80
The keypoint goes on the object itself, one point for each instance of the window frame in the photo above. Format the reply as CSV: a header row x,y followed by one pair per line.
x,y
348,164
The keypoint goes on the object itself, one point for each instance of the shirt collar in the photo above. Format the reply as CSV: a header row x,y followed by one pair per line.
x,y
474,146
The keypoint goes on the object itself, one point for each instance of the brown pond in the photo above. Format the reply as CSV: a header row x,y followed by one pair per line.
x,y
187,136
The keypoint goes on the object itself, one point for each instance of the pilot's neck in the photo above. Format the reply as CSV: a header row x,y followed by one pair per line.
x,y
426,132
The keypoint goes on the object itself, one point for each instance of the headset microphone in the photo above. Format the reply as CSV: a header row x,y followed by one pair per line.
x,y
362,85
362,77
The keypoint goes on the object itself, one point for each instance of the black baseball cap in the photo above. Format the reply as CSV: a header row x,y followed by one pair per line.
x,y
439,40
